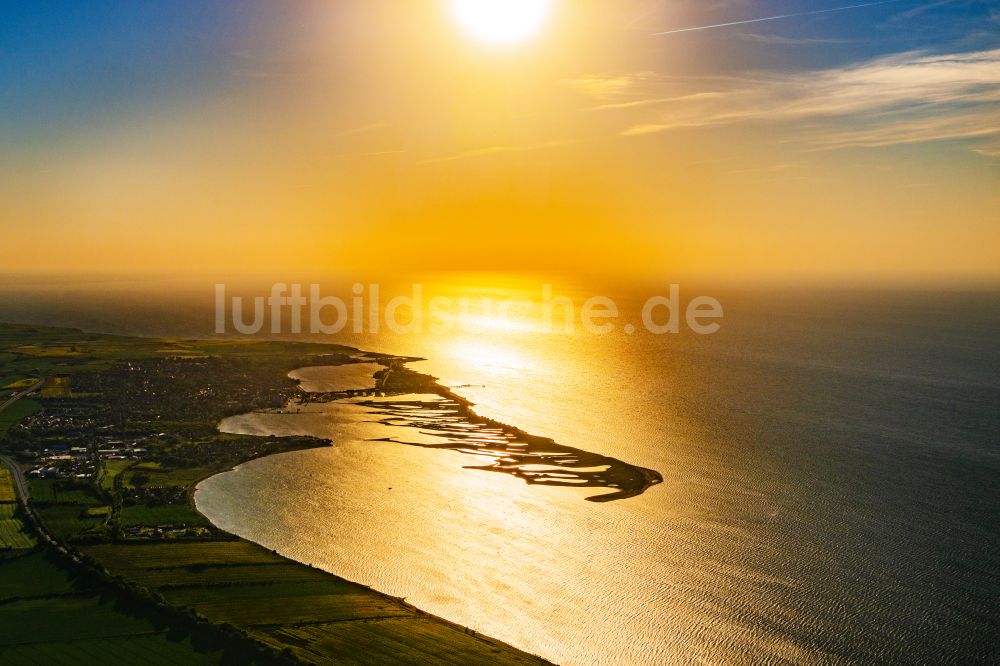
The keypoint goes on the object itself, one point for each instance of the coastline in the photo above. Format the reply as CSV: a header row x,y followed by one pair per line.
x,y
513,450
239,593
488,640
193,489
396,379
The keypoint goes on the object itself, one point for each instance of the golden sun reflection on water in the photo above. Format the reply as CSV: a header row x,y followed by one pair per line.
x,y
490,354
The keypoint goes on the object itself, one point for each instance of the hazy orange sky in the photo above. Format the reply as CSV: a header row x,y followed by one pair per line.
x,y
375,135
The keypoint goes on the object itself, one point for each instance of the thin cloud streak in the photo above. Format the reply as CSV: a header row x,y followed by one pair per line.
x,y
779,17
779,40
498,150
904,98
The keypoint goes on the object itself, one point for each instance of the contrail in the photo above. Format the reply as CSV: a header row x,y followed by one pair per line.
x,y
777,18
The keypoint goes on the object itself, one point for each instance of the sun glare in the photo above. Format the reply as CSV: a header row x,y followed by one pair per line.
x,y
501,21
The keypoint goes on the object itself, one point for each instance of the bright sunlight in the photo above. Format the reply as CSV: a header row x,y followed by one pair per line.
x,y
501,21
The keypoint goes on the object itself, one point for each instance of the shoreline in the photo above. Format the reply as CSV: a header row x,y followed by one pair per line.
x,y
192,491
397,379
281,610
513,450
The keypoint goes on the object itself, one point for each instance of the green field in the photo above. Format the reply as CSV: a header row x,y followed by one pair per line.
x,y
255,604
64,618
20,410
154,475
216,575
20,384
53,491
7,493
12,535
412,640
71,521
32,575
48,617
147,649
173,555
322,618
168,514
56,387
102,512
69,510
112,468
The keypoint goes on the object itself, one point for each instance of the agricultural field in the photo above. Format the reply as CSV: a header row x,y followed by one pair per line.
x,y
46,350
167,556
20,384
48,617
64,618
217,575
158,649
321,618
112,468
53,491
12,534
102,512
71,511
167,514
410,640
56,387
72,522
15,413
254,605
157,475
7,493
33,575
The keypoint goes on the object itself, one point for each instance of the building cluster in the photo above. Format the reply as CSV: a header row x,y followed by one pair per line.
x,y
52,421
164,532
62,461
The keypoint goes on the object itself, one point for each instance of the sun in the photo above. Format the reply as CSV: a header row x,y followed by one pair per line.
x,y
501,21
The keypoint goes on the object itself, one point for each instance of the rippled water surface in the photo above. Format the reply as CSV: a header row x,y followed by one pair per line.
x,y
829,490
325,378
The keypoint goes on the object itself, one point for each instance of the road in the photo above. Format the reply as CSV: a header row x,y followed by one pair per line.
x,y
24,494
17,396
21,483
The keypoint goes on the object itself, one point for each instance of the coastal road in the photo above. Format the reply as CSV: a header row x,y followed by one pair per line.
x,y
24,494
17,396
20,483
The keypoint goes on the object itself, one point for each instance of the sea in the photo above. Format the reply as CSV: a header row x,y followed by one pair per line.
x,y
830,462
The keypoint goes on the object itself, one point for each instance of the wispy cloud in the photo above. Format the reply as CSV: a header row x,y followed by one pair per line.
x,y
777,17
634,104
498,150
904,98
611,87
989,149
924,8
780,40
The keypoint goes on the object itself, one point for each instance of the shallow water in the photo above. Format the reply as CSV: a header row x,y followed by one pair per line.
x,y
829,489
329,378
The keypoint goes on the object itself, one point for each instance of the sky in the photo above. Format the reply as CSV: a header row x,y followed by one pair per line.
x,y
377,136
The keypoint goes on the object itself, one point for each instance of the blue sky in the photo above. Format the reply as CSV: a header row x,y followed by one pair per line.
x,y
60,59
68,61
